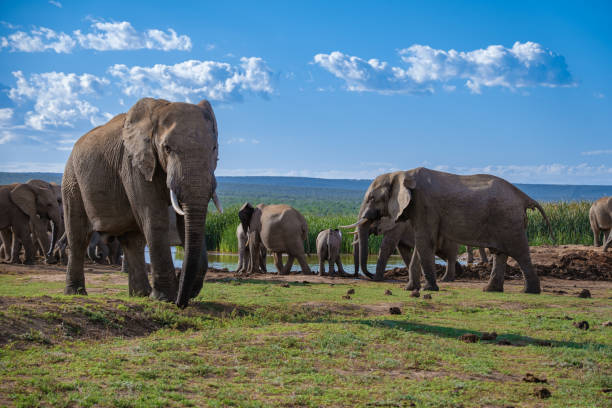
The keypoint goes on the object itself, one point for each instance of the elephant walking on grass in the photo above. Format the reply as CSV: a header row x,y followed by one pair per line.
x,y
120,179
600,216
329,242
479,210
244,253
278,227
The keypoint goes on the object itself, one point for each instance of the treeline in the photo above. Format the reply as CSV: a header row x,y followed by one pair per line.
x,y
569,221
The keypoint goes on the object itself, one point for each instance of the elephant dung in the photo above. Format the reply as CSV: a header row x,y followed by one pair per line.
x,y
415,293
351,291
488,336
543,393
394,310
347,297
583,325
427,296
533,379
469,338
584,293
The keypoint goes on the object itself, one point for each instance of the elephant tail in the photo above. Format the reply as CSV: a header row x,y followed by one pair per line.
x,y
533,205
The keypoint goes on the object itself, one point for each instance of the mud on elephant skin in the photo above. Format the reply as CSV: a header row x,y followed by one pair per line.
x,y
23,207
329,242
278,227
600,217
478,210
120,179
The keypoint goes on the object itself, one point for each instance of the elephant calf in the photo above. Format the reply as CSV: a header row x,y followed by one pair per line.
x,y
329,242
600,216
244,254
278,227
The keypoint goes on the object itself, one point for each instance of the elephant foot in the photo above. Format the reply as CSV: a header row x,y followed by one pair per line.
x,y
379,277
75,290
431,286
413,286
493,287
161,296
532,288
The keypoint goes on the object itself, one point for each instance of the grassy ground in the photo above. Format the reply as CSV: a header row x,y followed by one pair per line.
x,y
569,221
256,343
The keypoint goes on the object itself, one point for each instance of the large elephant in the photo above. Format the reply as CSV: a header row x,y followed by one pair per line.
x,y
281,229
244,253
329,242
120,179
23,208
400,235
600,216
478,210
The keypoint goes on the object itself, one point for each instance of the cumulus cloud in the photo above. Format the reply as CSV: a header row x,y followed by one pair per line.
x,y
194,79
103,36
5,115
58,98
424,68
6,136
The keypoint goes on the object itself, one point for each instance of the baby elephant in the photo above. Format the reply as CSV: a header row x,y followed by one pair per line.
x,y
328,249
244,255
600,216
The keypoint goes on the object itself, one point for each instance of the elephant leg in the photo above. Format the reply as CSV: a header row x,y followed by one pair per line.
x,y
332,269
288,265
77,234
304,264
414,272
608,243
262,259
165,282
124,265
470,254
484,259
321,264
278,262
387,246
22,236
134,262
341,271
6,235
425,250
496,281
523,258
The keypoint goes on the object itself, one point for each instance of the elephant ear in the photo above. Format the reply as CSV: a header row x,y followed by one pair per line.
x,y
208,113
138,129
245,214
400,196
24,197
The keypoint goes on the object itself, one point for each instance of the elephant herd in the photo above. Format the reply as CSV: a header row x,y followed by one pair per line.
x,y
147,176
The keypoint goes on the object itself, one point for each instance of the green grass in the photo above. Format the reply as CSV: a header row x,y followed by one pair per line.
x,y
569,221
257,344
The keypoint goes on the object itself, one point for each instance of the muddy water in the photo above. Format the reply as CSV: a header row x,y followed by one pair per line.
x,y
230,261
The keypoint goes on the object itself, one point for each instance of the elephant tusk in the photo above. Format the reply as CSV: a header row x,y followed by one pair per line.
x,y
355,242
355,225
353,232
175,203
217,202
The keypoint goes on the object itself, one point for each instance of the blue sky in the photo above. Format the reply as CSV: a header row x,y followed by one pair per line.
x,y
522,90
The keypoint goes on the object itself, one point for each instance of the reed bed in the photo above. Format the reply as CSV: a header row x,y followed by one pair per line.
x,y
569,221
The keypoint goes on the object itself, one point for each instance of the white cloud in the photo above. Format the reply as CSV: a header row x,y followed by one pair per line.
x,y
424,68
32,167
236,140
194,79
104,36
597,152
55,3
59,98
6,136
38,39
5,115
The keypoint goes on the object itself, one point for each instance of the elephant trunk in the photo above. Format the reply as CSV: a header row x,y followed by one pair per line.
x,y
364,235
195,250
56,232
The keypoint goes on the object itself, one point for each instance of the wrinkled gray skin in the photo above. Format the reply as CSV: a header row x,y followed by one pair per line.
x,y
118,180
244,254
281,229
600,216
484,259
401,236
104,249
22,204
329,242
479,210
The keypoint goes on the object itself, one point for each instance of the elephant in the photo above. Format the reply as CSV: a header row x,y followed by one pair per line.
x,y
479,210
24,204
600,216
329,242
244,254
102,249
281,229
401,236
120,179
483,255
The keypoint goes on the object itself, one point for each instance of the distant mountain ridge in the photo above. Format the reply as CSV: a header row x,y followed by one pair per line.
x,y
263,188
